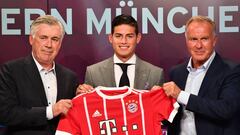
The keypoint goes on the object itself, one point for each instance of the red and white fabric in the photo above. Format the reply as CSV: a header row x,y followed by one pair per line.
x,y
118,111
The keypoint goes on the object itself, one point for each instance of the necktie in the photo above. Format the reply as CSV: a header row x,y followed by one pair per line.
x,y
124,81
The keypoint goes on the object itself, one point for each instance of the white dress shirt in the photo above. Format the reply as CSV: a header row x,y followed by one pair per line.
x,y
193,84
50,86
130,70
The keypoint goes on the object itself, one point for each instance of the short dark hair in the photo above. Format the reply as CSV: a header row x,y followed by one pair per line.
x,y
124,19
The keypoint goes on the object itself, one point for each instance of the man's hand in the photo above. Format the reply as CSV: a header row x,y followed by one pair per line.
x,y
155,87
84,88
171,89
61,107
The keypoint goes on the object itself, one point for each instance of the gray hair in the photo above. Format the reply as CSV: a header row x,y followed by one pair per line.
x,y
200,18
45,19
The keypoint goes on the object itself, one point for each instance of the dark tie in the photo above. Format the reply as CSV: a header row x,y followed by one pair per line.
x,y
124,81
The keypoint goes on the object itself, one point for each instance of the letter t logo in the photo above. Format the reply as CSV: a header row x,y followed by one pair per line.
x,y
110,127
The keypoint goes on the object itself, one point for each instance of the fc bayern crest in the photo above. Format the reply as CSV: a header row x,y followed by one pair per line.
x,y
132,106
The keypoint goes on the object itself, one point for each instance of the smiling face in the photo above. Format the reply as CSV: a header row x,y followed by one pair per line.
x,y
200,40
124,41
46,43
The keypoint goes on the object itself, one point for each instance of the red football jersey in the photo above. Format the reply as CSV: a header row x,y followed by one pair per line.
x,y
118,111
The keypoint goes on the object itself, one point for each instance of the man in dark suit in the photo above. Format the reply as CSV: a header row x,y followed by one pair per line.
x,y
124,39
35,90
204,86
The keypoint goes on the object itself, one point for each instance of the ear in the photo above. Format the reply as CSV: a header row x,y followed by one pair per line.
x,y
215,40
110,38
139,37
30,38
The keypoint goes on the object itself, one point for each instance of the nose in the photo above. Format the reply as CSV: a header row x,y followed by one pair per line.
x,y
49,43
198,44
124,40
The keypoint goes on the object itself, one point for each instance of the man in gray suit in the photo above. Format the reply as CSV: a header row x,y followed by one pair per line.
x,y
124,39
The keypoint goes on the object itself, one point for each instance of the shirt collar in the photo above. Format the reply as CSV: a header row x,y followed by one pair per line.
x,y
205,66
132,60
40,68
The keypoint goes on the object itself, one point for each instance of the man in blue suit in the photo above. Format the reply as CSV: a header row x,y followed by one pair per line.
x,y
205,88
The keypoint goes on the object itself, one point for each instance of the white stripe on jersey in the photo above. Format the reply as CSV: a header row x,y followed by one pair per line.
x,y
142,111
124,114
62,133
139,91
174,112
87,115
105,108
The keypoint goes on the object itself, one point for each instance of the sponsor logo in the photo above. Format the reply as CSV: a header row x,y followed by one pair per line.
x,y
96,114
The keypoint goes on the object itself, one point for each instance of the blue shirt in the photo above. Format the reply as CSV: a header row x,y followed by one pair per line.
x,y
193,84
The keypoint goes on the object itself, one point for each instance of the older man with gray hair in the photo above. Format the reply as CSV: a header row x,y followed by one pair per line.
x,y
35,90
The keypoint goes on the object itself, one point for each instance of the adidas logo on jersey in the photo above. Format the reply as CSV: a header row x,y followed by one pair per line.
x,y
96,114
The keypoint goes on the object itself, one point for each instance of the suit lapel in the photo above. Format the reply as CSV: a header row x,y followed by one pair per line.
x,y
181,77
141,75
34,76
212,74
107,73
60,83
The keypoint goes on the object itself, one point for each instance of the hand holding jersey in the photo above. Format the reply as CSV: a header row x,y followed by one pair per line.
x,y
84,88
118,110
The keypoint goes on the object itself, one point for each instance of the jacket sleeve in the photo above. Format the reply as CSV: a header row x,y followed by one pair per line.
x,y
12,112
227,103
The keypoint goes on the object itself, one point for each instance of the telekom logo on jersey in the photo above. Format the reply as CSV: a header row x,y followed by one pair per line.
x,y
107,127
111,111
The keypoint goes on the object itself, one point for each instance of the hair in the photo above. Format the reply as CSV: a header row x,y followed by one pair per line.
x,y
46,19
124,19
201,19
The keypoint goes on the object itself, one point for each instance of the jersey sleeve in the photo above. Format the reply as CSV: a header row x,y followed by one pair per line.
x,y
165,107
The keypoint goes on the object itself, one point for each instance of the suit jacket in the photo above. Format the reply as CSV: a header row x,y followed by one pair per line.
x,y
216,103
102,74
22,97
233,125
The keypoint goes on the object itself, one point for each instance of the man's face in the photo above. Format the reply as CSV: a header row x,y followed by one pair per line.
x,y
46,43
124,41
200,42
